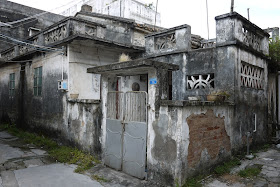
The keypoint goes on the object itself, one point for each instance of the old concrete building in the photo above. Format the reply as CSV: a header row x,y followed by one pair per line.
x,y
131,9
151,116
24,21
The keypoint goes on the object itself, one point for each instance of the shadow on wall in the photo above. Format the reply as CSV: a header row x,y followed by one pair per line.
x,y
4,118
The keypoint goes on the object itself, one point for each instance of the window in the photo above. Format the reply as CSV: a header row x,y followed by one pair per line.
x,y
200,81
12,85
251,76
38,81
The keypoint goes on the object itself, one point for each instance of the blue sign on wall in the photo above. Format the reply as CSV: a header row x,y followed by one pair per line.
x,y
153,80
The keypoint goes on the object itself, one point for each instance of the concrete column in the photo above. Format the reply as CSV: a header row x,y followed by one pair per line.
x,y
104,92
152,95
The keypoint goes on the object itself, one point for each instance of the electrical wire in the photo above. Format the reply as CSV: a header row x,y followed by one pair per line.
x,y
29,45
37,15
16,44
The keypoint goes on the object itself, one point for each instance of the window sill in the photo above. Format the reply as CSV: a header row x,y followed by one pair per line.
x,y
194,103
85,101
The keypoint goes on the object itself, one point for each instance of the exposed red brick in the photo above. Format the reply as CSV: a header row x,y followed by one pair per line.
x,y
206,131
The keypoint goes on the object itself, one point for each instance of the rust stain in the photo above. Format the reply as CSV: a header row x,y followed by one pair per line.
x,y
206,131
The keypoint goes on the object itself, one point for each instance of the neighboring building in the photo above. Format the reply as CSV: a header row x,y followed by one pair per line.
x,y
11,12
132,9
149,116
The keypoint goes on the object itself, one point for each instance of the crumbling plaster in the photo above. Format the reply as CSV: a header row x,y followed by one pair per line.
x,y
169,138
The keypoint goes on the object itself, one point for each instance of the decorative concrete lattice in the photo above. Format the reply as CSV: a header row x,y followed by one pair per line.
x,y
251,76
57,34
200,81
165,42
251,39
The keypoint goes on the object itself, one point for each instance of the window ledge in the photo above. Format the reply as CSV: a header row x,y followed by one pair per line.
x,y
194,103
86,101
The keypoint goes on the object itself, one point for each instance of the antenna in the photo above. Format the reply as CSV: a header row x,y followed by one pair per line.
x,y
232,5
207,18
156,16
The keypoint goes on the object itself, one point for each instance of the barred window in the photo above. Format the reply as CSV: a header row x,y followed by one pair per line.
x,y
12,85
37,81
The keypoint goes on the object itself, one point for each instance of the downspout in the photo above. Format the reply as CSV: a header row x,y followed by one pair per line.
x,y
255,129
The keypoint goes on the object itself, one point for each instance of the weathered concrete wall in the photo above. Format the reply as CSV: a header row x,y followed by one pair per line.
x,y
117,29
176,38
187,140
250,101
74,121
217,62
272,104
83,127
8,109
46,111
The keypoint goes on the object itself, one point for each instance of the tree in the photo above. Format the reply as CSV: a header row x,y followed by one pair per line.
x,y
274,53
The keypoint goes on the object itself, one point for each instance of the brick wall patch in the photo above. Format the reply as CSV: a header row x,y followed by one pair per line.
x,y
206,132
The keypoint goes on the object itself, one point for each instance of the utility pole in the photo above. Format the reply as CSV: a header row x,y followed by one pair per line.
x,y
156,16
232,5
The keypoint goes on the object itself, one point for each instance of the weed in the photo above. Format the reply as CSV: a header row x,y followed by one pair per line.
x,y
60,153
260,148
194,182
99,178
227,166
249,172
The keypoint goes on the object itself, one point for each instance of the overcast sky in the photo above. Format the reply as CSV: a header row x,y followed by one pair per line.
x,y
193,12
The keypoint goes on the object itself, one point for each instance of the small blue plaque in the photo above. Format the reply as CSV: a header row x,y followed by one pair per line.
x,y
153,81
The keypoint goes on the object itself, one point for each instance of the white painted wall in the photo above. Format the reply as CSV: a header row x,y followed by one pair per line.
x,y
81,57
127,81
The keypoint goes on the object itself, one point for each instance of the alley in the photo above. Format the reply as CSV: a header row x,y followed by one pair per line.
x,y
269,163
25,165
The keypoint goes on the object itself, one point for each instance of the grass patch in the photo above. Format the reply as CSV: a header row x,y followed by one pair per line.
x,y
63,154
249,172
227,166
194,182
261,148
99,178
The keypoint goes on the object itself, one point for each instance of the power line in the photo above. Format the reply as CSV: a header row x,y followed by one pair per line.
x,y
14,43
37,15
43,48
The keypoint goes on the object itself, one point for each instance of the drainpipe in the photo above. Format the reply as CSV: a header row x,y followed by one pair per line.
x,y
255,129
248,144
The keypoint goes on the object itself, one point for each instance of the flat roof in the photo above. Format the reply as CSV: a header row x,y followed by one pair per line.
x,y
134,67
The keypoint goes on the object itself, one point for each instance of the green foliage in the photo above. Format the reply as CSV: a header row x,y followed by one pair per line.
x,y
99,178
30,138
60,153
249,172
226,166
194,182
274,49
274,54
